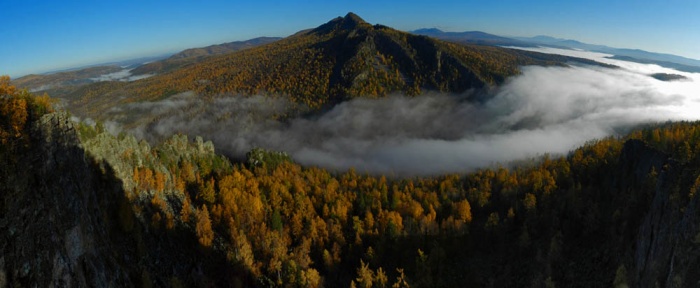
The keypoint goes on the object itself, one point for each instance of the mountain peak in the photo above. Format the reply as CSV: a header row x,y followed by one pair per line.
x,y
349,22
353,18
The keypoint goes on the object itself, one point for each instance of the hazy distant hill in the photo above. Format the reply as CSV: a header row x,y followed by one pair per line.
x,y
224,48
194,55
69,81
41,82
344,58
129,63
634,55
471,37
679,67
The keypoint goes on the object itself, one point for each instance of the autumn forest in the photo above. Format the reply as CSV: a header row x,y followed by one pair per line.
x,y
84,204
271,222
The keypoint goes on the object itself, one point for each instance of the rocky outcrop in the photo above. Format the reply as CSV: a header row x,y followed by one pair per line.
x,y
667,246
66,218
55,228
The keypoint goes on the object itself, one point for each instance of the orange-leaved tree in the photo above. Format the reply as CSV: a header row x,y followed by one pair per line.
x,y
17,107
205,234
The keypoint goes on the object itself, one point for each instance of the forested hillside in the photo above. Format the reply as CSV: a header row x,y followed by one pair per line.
x,y
342,59
80,206
61,84
194,55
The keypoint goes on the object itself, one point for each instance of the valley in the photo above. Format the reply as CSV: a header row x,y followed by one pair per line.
x,y
354,154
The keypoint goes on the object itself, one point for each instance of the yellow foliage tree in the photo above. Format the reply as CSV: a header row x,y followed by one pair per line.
x,y
205,234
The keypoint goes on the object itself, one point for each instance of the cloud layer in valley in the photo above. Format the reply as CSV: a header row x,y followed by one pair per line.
x,y
123,75
543,110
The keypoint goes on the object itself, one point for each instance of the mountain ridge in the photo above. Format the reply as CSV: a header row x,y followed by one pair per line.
x,y
338,60
635,55
194,55
224,47
66,81
58,80
471,37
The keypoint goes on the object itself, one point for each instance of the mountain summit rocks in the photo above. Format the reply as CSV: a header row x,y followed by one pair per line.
x,y
351,21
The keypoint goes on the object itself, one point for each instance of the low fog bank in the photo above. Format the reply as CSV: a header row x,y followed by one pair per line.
x,y
123,76
544,110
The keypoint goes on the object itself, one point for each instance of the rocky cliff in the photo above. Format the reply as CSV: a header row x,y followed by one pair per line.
x,y
69,215
667,245
57,212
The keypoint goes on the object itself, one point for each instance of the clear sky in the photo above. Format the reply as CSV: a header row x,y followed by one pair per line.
x,y
39,36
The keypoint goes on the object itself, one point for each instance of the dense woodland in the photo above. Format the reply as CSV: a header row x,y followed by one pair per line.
x,y
568,221
18,108
284,224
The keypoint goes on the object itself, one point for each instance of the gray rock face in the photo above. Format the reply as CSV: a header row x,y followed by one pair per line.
x,y
667,245
66,218
53,232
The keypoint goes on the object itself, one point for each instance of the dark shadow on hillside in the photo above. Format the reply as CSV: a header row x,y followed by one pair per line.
x,y
68,222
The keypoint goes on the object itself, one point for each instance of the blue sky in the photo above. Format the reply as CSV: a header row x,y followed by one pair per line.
x,y
39,36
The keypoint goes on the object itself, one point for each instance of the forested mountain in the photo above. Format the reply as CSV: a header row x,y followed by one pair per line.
x,y
81,207
344,58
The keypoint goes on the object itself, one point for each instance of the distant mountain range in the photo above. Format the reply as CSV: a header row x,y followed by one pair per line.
x,y
65,81
128,63
59,82
472,37
66,78
667,64
194,55
633,55
224,48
